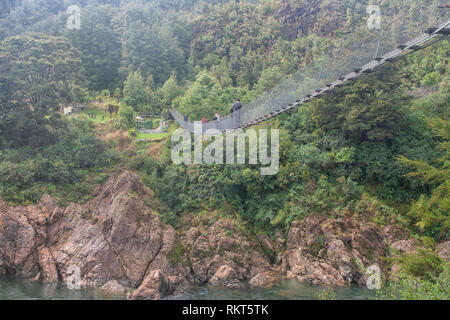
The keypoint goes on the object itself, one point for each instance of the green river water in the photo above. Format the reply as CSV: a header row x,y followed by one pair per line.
x,y
286,290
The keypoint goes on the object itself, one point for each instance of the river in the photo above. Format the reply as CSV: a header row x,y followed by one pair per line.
x,y
286,290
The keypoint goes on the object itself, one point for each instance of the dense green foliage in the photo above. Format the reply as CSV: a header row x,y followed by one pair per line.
x,y
422,276
338,153
413,288
38,73
40,152
432,213
134,92
59,167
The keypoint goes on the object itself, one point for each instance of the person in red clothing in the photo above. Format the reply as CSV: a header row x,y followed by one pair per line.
x,y
204,121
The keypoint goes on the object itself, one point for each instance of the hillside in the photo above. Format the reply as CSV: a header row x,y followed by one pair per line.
x,y
363,174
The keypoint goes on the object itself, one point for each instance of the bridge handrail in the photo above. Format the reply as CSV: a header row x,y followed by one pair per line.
x,y
320,77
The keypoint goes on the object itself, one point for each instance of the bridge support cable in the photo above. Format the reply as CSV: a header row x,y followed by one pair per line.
x,y
415,29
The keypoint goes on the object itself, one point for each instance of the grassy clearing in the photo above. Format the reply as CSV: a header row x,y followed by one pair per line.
x,y
151,136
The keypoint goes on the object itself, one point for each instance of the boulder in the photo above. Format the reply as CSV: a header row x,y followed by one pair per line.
x,y
262,280
443,250
227,277
406,246
155,286
113,287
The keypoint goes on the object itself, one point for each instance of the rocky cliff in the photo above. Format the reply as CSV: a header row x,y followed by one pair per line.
x,y
329,251
116,243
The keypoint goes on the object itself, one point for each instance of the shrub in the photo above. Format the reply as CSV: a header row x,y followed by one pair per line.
x,y
430,79
424,264
126,118
58,168
409,287
132,133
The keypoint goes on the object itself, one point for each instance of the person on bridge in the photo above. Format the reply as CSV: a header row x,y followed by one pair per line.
x,y
204,121
217,119
186,117
236,115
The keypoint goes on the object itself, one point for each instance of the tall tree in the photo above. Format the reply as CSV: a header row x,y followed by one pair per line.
x,y
149,43
170,90
100,47
37,74
134,92
43,69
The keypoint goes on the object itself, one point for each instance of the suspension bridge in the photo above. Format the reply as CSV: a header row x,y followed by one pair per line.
x,y
359,48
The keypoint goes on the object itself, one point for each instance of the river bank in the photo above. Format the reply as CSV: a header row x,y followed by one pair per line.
x,y
12,289
117,243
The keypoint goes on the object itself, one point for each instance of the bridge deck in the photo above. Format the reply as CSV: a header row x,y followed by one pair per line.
x,y
254,114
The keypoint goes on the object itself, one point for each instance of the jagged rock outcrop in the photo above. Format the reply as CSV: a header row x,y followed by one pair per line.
x,y
337,251
115,240
114,236
220,254
329,251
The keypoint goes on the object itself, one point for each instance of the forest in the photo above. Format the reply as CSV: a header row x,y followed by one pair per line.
x,y
378,148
